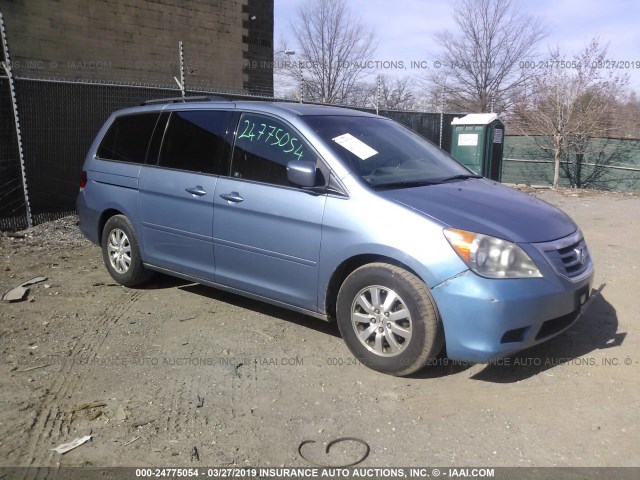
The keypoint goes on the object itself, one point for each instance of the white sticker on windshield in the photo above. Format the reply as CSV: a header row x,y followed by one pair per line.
x,y
355,146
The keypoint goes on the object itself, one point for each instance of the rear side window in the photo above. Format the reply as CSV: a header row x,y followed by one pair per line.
x,y
263,148
128,138
195,141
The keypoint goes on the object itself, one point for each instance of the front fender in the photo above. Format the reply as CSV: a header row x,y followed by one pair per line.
x,y
373,226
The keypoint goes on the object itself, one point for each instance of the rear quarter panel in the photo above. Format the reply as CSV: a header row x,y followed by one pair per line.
x,y
110,186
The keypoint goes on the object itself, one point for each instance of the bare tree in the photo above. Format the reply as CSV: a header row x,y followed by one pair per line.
x,y
396,93
334,50
481,64
626,114
384,93
362,95
570,106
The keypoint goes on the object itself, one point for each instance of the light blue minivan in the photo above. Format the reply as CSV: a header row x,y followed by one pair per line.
x,y
337,214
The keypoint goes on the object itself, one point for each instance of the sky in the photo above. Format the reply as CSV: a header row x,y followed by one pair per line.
x,y
405,29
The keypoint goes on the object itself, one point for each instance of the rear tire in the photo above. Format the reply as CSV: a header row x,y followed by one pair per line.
x,y
388,319
121,253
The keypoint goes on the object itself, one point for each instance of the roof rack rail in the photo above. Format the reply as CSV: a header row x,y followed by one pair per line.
x,y
200,98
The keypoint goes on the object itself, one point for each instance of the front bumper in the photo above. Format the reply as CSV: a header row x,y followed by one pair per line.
x,y
485,319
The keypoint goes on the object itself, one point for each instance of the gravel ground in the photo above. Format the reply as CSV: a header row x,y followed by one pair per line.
x,y
153,373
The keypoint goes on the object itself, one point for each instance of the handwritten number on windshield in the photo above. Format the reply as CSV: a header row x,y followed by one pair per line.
x,y
272,136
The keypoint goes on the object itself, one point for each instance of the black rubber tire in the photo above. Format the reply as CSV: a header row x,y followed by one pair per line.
x,y
427,339
137,274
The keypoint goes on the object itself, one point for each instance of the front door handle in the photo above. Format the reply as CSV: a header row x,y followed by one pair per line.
x,y
197,190
232,197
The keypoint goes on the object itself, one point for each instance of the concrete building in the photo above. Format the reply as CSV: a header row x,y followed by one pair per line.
x,y
227,44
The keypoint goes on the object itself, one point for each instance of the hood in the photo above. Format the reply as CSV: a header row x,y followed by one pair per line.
x,y
483,206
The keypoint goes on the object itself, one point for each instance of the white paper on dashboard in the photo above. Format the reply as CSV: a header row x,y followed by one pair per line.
x,y
355,146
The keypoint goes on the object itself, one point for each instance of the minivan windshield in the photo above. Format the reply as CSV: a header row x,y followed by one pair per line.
x,y
384,153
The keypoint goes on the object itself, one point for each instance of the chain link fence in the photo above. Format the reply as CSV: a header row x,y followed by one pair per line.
x,y
59,120
606,164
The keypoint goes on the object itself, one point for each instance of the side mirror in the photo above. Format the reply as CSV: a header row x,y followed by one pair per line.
x,y
302,173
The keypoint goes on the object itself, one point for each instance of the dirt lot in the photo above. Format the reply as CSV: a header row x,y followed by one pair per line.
x,y
175,366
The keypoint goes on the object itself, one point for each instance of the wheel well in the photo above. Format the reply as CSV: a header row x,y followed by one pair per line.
x,y
345,269
104,218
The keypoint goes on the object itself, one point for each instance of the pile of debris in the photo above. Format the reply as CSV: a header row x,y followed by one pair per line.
x,y
63,231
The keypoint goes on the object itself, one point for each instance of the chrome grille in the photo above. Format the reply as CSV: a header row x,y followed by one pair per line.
x,y
568,256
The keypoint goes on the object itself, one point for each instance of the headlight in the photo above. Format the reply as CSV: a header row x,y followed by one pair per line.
x,y
491,257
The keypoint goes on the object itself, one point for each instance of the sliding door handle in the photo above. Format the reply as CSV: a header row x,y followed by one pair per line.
x,y
197,190
232,197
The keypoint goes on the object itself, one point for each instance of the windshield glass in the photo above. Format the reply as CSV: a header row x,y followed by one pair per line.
x,y
384,153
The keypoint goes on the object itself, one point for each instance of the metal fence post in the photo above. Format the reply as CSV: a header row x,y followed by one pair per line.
x,y
301,85
378,95
441,117
12,90
181,52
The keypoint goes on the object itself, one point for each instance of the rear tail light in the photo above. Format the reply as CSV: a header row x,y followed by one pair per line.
x,y
83,180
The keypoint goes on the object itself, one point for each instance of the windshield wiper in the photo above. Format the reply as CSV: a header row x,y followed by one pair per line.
x,y
405,184
421,183
457,177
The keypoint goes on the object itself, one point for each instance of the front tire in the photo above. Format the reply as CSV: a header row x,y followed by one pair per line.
x,y
121,253
388,319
